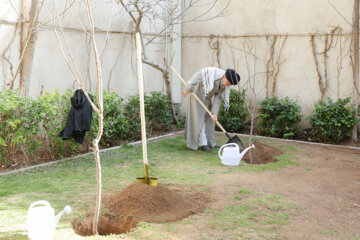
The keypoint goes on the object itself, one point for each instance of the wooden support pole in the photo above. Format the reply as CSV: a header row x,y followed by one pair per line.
x,y
356,63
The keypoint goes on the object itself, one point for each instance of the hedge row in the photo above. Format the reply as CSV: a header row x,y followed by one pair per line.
x,y
331,122
29,126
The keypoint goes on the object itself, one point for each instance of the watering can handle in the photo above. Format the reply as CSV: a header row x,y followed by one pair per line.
x,y
41,202
225,145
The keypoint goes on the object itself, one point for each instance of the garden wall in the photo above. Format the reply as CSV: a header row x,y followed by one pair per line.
x,y
277,45
270,44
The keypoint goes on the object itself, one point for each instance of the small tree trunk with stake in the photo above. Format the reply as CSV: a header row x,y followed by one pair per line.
x,y
356,63
70,62
100,115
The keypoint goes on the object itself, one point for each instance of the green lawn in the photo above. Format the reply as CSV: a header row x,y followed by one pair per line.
x,y
73,183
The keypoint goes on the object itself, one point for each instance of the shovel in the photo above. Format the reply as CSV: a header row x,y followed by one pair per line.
x,y
234,139
146,179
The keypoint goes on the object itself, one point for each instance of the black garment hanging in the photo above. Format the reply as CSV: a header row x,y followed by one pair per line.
x,y
79,118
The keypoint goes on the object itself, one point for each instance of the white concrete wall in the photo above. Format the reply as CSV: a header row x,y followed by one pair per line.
x,y
50,72
247,26
250,25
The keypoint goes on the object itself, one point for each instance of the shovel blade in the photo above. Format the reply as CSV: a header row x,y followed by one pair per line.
x,y
237,140
148,180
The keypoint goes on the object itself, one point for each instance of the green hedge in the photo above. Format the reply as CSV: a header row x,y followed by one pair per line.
x,y
19,125
157,113
30,126
279,117
233,120
332,122
54,110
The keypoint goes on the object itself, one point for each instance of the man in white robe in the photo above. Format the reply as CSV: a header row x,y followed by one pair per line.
x,y
211,85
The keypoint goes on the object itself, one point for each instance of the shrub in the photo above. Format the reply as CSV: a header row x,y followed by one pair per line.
x,y
54,111
279,117
132,115
19,125
157,113
115,124
26,124
233,120
332,122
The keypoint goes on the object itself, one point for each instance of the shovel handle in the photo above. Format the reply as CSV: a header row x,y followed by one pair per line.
x,y
142,107
198,99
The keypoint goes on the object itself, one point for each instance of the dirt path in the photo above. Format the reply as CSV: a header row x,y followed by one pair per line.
x,y
325,187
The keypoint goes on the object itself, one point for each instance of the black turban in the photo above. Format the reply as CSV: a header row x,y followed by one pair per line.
x,y
232,76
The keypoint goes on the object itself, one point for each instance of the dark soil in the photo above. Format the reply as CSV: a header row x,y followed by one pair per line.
x,y
142,203
262,154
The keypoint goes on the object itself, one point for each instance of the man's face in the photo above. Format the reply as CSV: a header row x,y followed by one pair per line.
x,y
225,82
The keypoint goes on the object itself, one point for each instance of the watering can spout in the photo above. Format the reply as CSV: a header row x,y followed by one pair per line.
x,y
242,154
66,210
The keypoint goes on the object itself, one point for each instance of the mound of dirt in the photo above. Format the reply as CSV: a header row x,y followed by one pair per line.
x,y
141,203
262,154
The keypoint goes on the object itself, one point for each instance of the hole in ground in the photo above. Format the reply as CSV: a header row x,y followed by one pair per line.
x,y
263,154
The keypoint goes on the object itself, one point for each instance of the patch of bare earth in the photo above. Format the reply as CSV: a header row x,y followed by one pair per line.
x,y
325,187
142,203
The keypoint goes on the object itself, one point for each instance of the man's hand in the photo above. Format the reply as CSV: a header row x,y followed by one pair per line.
x,y
214,117
185,93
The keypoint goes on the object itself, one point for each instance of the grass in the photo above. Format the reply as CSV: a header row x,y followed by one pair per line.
x,y
73,183
256,214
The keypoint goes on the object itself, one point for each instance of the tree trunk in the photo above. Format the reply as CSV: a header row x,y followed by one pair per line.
x,y
253,114
168,94
27,47
22,39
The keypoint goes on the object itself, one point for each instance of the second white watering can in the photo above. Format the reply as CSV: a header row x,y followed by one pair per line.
x,y
41,220
231,155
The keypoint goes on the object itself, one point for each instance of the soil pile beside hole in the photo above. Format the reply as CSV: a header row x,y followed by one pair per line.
x,y
141,203
262,154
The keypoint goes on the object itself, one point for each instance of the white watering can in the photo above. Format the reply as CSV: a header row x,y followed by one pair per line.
x,y
231,155
41,220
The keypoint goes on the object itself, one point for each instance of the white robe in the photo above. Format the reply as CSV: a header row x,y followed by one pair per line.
x,y
196,115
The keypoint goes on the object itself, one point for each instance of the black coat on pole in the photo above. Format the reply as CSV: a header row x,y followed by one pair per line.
x,y
79,118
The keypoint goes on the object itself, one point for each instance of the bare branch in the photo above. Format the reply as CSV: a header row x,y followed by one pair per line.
x,y
75,73
341,15
3,21
14,8
7,60
79,21
107,31
58,15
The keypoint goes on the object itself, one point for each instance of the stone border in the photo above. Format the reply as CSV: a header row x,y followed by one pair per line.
x,y
166,136
303,142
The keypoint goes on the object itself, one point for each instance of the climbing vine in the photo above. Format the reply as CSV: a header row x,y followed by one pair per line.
x,y
215,45
329,43
273,65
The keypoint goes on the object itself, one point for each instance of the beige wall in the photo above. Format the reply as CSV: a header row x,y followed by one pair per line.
x,y
244,35
49,70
